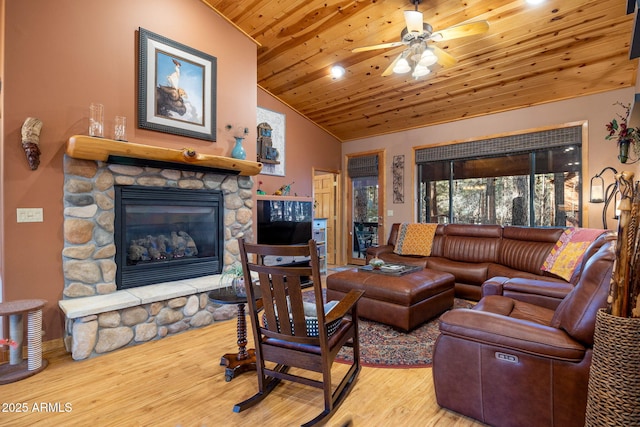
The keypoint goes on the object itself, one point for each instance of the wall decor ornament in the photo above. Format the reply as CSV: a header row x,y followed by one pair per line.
x,y
627,138
176,88
266,152
31,141
398,178
273,156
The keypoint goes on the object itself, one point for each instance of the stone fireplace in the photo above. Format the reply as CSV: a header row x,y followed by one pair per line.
x,y
100,317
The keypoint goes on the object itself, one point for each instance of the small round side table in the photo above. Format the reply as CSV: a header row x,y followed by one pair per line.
x,y
245,359
19,368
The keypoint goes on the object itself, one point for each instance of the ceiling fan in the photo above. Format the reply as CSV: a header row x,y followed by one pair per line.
x,y
419,54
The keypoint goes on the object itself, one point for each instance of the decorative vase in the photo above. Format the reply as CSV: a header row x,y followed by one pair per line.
x,y
239,287
624,150
376,263
238,150
614,377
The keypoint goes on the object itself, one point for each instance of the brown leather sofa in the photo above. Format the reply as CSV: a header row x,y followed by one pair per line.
x,y
512,363
477,253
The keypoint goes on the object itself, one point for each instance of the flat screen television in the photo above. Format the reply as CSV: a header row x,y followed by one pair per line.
x,y
284,222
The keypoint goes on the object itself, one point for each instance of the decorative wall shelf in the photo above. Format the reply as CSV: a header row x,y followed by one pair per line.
x,y
129,153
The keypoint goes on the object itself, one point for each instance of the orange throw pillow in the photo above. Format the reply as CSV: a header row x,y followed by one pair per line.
x,y
565,259
415,239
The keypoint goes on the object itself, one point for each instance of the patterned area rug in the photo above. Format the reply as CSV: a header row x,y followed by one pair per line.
x,y
382,346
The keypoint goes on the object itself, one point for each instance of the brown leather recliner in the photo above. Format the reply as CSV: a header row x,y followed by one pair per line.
x,y
511,363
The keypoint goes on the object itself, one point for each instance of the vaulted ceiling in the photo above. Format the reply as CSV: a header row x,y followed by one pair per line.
x,y
531,55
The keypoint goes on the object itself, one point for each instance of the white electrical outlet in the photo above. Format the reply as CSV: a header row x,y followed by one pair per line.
x,y
29,215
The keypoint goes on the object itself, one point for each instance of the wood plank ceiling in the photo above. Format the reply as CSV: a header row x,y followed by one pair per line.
x,y
531,55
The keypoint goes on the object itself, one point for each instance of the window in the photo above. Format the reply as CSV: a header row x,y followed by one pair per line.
x,y
364,210
539,187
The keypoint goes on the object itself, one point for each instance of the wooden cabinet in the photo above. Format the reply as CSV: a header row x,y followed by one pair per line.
x,y
319,232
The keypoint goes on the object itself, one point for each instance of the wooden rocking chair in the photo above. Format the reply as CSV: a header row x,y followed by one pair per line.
x,y
286,337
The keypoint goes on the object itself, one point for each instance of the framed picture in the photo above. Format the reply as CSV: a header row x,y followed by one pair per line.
x,y
275,122
176,88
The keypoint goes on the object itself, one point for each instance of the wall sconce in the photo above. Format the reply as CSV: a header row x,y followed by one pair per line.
x,y
598,193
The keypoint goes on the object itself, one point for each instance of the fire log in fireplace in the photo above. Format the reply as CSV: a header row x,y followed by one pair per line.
x,y
167,234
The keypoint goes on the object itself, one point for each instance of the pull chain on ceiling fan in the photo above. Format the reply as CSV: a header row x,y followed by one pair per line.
x,y
418,56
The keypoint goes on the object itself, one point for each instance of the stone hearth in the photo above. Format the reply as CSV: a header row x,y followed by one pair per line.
x,y
99,318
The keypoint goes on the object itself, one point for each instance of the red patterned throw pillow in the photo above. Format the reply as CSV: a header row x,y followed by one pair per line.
x,y
415,239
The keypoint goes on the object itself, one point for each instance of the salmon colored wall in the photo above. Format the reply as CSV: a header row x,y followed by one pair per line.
x,y
307,147
597,110
59,57
2,4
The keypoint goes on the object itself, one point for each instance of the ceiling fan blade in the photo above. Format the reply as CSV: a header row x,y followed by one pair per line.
x,y
462,30
377,46
444,59
389,69
413,18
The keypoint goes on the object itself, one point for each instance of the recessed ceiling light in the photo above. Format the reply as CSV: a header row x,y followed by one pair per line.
x,y
534,2
337,72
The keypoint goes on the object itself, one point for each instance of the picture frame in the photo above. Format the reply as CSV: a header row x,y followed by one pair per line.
x,y
277,122
176,88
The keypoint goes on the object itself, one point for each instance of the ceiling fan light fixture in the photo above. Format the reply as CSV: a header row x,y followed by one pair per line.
x,y
402,66
420,71
416,51
420,54
413,18
428,58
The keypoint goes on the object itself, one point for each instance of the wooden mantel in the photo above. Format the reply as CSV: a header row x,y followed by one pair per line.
x,y
109,150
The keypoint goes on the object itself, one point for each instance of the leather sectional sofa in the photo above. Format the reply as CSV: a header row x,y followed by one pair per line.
x,y
510,256
510,363
521,356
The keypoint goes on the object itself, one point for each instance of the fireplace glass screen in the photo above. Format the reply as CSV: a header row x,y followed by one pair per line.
x,y
167,234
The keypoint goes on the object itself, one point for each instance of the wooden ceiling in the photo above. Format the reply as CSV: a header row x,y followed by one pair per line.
x,y
531,55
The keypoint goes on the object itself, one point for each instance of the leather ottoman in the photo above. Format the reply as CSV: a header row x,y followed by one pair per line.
x,y
400,301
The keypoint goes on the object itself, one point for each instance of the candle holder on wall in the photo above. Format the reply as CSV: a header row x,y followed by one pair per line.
x,y
598,193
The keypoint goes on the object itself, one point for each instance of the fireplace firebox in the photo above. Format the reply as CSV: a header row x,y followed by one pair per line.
x,y
165,234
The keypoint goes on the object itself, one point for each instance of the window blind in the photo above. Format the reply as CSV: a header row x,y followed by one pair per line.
x,y
362,166
524,142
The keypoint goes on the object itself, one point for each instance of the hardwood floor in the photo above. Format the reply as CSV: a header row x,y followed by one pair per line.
x,y
178,381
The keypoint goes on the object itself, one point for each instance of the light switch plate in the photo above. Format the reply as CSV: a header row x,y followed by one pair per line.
x,y
389,212
29,215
